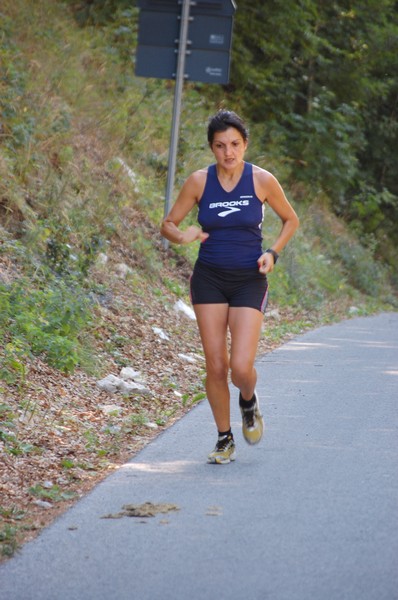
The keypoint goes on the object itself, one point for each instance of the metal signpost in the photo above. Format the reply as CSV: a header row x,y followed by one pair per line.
x,y
183,40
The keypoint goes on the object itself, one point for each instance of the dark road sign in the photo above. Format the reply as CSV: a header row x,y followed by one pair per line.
x,y
208,43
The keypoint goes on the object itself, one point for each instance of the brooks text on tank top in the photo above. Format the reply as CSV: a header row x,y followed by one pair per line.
x,y
233,221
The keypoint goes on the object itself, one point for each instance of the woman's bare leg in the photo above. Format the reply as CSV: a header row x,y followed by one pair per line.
x,y
213,324
245,326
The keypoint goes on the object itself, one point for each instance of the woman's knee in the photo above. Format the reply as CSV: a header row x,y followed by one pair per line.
x,y
217,370
241,373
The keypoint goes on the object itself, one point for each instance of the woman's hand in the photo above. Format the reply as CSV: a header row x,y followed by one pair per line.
x,y
193,233
188,198
266,263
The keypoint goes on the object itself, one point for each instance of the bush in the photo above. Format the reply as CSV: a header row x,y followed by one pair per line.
x,y
49,322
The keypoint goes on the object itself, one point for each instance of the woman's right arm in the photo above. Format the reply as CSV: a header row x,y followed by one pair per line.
x,y
188,197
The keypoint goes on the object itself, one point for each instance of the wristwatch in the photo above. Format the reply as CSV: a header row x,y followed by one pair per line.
x,y
274,254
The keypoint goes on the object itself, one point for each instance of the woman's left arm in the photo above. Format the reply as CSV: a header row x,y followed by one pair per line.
x,y
269,188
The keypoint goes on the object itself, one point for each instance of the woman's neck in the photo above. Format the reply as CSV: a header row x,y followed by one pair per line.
x,y
230,175
229,178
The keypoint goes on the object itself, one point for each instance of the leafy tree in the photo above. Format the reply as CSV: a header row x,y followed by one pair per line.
x,y
320,78
323,77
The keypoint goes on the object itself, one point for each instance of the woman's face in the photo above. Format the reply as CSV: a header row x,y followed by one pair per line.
x,y
228,148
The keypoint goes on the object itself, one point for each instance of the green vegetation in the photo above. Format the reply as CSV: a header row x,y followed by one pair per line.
x,y
83,164
53,493
319,82
73,111
320,79
42,321
74,115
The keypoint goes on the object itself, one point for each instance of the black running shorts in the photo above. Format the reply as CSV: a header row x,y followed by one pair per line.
x,y
235,287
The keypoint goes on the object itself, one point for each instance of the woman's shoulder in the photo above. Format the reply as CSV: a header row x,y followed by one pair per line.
x,y
263,176
197,177
263,181
200,174
196,182
260,172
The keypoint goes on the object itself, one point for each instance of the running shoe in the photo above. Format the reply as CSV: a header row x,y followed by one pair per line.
x,y
252,422
224,451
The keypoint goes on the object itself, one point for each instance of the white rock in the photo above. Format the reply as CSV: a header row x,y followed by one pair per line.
x,y
151,425
353,310
113,384
189,359
102,259
160,333
188,311
110,383
131,387
127,373
111,409
123,270
43,504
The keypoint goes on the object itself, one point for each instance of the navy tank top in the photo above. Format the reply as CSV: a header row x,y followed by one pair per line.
x,y
233,221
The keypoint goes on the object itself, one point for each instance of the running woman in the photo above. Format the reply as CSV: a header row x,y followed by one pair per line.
x,y
229,281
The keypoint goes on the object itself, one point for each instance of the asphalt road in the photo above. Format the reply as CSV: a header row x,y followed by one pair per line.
x,y
311,513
